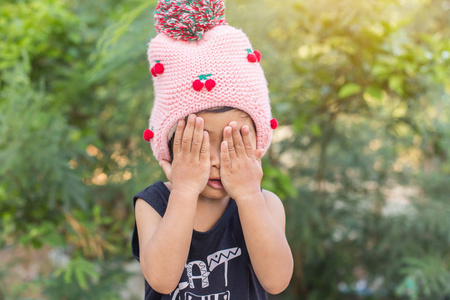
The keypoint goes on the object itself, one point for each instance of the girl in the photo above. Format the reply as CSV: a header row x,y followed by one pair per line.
x,y
210,232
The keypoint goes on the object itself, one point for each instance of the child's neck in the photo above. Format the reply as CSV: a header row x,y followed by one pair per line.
x,y
209,211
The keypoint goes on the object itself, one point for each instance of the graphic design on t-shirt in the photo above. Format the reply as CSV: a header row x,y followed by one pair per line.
x,y
220,296
205,269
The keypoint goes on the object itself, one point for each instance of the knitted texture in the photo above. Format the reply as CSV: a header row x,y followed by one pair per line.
x,y
187,20
219,61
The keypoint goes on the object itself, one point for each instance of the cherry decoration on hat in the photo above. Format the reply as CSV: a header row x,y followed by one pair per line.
x,y
273,123
253,56
152,70
258,55
198,83
157,69
210,84
148,134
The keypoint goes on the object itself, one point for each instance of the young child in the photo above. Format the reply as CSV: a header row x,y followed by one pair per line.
x,y
210,232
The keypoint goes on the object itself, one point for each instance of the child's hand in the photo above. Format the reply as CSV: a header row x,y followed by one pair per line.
x,y
190,167
240,164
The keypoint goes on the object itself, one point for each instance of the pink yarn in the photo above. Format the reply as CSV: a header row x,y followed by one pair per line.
x,y
221,53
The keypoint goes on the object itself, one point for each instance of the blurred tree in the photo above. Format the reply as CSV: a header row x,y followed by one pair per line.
x,y
63,171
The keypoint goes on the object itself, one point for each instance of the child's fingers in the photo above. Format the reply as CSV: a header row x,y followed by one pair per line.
x,y
225,161
237,140
188,133
167,168
258,154
198,136
204,150
247,141
178,136
227,136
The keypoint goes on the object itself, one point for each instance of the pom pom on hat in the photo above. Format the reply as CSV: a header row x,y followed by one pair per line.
x,y
187,20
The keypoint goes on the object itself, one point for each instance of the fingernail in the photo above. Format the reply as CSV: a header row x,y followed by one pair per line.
x,y
233,124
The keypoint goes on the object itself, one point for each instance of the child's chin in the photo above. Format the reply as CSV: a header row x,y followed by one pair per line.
x,y
212,193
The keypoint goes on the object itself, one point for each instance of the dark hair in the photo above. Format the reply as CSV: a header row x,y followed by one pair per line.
x,y
216,110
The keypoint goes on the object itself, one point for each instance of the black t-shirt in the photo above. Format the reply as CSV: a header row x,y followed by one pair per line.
x,y
218,265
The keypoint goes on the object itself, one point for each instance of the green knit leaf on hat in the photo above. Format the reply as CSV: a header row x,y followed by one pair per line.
x,y
204,76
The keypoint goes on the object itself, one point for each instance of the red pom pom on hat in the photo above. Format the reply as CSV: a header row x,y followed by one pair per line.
x,y
273,123
148,135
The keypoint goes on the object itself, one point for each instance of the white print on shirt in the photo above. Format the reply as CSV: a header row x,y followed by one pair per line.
x,y
222,257
203,273
220,296
213,260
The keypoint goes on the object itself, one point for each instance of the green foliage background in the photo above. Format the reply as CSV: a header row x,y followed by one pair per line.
x,y
361,90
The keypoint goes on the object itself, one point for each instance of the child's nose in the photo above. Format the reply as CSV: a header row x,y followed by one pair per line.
x,y
215,157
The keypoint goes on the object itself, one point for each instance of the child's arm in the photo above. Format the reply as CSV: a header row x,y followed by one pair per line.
x,y
263,221
261,213
164,242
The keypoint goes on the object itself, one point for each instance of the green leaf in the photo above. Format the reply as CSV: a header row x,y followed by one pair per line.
x,y
375,91
68,274
299,123
316,130
396,84
349,89
81,278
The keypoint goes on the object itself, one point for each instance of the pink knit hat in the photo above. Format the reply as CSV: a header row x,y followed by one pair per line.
x,y
199,62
